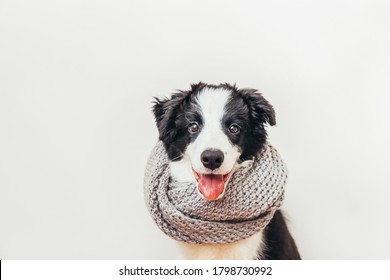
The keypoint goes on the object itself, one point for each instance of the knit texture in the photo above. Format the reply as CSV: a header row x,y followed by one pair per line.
x,y
253,194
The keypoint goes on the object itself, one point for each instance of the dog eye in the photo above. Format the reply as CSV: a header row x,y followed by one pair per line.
x,y
234,129
193,128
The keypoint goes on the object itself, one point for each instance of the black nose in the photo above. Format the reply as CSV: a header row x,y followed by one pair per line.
x,y
212,159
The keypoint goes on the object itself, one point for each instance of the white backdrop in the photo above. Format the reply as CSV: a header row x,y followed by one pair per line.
x,y
76,84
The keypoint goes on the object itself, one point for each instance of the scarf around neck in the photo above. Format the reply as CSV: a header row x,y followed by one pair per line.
x,y
252,195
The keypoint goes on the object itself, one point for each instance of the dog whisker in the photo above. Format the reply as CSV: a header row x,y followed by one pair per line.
x,y
175,158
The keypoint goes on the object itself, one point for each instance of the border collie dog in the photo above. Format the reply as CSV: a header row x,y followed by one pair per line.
x,y
209,131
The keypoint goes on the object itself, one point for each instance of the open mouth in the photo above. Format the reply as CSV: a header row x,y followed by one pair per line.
x,y
211,186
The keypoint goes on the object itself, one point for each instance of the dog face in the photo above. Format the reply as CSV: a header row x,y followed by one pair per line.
x,y
210,130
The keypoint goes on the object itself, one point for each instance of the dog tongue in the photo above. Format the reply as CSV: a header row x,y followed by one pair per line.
x,y
211,186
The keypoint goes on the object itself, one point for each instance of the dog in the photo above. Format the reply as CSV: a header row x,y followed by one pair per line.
x,y
209,132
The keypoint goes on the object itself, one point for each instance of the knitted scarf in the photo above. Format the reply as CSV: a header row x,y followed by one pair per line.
x,y
251,198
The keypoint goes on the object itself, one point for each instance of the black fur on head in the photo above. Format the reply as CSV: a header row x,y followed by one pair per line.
x,y
173,116
260,112
246,107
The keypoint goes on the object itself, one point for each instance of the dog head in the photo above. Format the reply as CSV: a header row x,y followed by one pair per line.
x,y
212,129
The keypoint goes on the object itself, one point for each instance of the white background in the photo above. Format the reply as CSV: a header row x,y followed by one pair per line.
x,y
76,85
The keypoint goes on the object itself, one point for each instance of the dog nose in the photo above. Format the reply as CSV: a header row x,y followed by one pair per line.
x,y
212,159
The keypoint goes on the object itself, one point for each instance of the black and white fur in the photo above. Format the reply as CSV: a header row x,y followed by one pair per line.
x,y
214,129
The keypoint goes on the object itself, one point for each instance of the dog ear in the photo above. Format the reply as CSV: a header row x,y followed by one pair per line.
x,y
165,113
261,110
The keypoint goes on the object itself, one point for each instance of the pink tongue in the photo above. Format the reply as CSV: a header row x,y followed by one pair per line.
x,y
211,186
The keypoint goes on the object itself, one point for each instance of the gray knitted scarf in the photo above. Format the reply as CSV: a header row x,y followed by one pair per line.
x,y
251,198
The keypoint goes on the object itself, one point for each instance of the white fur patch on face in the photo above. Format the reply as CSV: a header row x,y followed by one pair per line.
x,y
212,104
181,170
